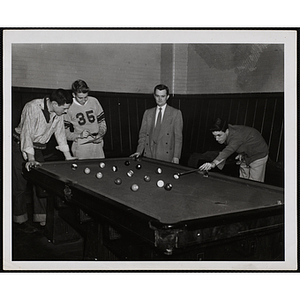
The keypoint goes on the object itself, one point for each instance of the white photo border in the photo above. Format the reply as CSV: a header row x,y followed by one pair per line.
x,y
286,37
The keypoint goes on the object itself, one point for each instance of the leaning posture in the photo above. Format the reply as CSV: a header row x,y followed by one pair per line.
x,y
40,119
247,142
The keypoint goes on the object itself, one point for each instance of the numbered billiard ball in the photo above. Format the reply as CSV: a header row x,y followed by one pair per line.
x,y
138,166
134,187
158,170
114,168
168,187
147,178
102,165
130,173
118,181
87,170
127,163
74,166
160,183
99,175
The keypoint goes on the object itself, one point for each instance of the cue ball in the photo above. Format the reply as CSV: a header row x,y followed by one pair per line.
x,y
168,186
127,163
118,181
160,183
138,166
87,171
147,178
158,170
176,176
114,168
99,175
134,187
102,165
74,166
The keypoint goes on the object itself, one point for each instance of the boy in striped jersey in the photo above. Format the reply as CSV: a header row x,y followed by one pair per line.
x,y
85,123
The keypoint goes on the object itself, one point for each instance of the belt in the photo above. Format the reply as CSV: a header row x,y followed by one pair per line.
x,y
16,139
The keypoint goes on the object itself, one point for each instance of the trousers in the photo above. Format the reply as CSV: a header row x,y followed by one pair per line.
x,y
20,186
255,171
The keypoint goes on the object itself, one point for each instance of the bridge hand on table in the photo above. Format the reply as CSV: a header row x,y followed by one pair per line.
x,y
32,164
205,167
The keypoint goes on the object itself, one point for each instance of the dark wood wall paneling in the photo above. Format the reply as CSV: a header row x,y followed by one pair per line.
x,y
124,113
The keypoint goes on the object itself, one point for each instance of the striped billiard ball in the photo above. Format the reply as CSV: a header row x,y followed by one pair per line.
x,y
74,166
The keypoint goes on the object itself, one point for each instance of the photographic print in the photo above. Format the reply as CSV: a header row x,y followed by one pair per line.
x,y
150,149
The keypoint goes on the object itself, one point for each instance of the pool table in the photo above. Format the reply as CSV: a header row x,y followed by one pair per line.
x,y
137,209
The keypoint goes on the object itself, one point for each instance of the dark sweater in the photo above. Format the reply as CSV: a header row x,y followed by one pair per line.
x,y
244,140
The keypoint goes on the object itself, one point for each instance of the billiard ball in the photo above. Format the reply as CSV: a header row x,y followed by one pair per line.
x,y
160,183
147,178
205,174
114,168
74,166
138,166
130,173
158,170
168,187
176,176
87,170
134,187
102,165
99,175
127,163
118,181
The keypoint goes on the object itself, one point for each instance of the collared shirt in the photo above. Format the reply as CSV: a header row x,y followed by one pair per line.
x,y
34,128
163,108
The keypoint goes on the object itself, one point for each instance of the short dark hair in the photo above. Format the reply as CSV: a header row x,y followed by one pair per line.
x,y
219,125
161,87
80,86
61,96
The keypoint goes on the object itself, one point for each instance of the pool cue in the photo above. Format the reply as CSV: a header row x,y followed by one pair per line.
x,y
186,172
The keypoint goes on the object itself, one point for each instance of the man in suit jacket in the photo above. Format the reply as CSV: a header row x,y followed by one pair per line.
x,y
161,140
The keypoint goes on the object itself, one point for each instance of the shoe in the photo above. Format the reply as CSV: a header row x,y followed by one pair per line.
x,y
25,227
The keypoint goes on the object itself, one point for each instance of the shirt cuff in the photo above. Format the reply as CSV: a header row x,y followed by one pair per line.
x,y
29,151
63,148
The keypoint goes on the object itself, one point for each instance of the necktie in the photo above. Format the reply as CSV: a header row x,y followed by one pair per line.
x,y
158,121
46,111
157,126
